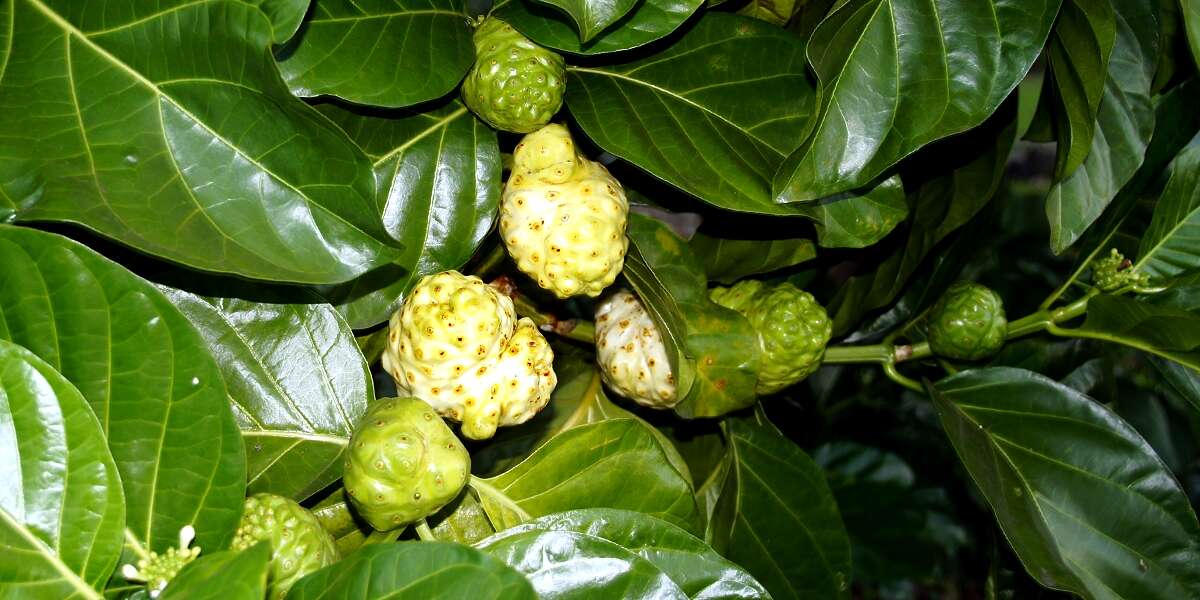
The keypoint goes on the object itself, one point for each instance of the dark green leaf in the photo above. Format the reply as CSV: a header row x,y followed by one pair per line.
x,y
224,575
648,21
594,465
696,568
285,16
777,517
1167,331
566,564
439,178
417,570
858,221
898,74
714,114
1082,498
145,372
1170,247
727,260
1183,380
297,382
592,16
380,52
1191,19
1124,124
61,509
164,125
1079,50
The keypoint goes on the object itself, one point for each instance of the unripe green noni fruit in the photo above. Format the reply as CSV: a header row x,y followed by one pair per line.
x,y
403,463
299,545
792,329
631,354
1114,272
967,323
515,84
457,344
562,216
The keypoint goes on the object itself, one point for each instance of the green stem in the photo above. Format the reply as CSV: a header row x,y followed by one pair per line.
x,y
890,370
491,261
877,353
575,329
424,532
383,537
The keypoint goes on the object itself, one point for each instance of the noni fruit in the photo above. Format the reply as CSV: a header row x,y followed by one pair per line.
x,y
1114,272
457,344
630,352
792,329
562,216
299,545
515,84
403,463
967,323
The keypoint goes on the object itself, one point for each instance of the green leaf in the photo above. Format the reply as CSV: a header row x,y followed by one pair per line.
x,y
463,521
591,466
727,260
1124,125
713,350
224,575
898,74
1191,20
1167,331
1078,60
858,221
777,517
713,114
389,53
648,21
1170,246
61,509
165,126
336,517
1184,381
145,372
695,567
417,570
1084,501
566,564
285,16
438,173
592,16
297,382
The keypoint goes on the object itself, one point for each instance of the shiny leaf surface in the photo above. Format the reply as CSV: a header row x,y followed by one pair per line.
x,y
858,220
649,20
726,260
1167,331
592,16
1079,50
1082,498
1171,245
224,575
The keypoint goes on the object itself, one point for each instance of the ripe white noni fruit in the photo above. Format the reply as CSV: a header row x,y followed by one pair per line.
x,y
562,216
457,344
630,351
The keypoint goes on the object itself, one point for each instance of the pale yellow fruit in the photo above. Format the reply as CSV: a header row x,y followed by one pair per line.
x,y
457,344
562,216
630,352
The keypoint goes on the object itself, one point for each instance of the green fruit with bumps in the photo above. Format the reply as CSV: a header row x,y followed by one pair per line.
x,y
967,323
515,84
1114,272
403,464
299,545
792,329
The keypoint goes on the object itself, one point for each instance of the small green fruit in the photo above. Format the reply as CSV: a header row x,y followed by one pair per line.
x,y
967,323
1114,272
515,84
792,328
403,463
299,545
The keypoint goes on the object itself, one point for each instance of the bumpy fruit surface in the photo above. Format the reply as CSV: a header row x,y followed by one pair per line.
x,y
562,216
403,463
299,545
1114,272
630,352
515,84
792,329
967,323
457,344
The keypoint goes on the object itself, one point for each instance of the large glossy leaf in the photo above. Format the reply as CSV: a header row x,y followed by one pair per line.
x,y
224,575
726,260
61,508
648,21
566,564
695,567
1171,245
714,114
1167,331
777,517
380,52
1191,20
713,349
617,463
592,16
145,372
1079,50
1124,124
416,570
861,219
297,382
898,74
165,126
1081,497
439,178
